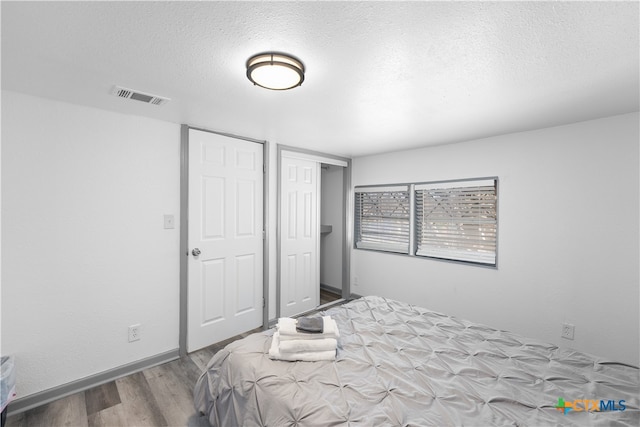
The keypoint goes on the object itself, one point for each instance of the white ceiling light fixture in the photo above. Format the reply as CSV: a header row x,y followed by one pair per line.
x,y
275,71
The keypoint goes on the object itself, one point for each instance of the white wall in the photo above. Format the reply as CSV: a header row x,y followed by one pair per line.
x,y
568,235
331,213
84,251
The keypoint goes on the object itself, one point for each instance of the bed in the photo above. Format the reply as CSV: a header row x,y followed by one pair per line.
x,y
402,365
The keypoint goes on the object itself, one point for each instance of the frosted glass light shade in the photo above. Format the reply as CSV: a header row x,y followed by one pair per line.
x,y
275,71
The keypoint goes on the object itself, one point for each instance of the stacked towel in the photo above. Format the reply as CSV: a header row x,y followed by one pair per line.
x,y
290,344
288,330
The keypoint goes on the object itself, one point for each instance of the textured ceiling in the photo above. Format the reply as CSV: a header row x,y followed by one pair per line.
x,y
381,76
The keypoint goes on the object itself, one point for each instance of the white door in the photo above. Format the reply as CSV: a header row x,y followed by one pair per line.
x,y
299,236
225,237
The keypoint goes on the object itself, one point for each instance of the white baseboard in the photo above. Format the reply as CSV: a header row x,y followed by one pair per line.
x,y
331,289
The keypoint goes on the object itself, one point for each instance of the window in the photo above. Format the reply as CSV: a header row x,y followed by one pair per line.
x,y
382,218
457,221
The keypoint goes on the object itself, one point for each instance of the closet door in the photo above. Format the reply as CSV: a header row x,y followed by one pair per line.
x,y
225,239
299,236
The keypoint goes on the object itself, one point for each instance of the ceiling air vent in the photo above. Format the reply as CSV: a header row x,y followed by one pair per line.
x,y
123,92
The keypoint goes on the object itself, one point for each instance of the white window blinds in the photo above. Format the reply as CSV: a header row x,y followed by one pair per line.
x,y
382,218
457,221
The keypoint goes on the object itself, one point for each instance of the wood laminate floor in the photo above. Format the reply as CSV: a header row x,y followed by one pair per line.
x,y
327,296
158,396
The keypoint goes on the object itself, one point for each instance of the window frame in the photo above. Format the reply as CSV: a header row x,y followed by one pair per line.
x,y
414,226
460,249
384,246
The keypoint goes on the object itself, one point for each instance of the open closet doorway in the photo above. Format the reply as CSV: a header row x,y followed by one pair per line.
x,y
303,233
332,211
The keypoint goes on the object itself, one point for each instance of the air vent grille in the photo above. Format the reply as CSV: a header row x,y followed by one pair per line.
x,y
122,92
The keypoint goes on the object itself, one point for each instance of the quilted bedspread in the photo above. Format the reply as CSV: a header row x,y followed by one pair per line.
x,y
402,365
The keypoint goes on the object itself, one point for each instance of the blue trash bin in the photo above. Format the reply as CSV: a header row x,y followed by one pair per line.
x,y
7,384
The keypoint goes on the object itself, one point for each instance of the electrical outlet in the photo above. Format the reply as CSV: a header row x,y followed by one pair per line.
x,y
134,333
355,280
568,330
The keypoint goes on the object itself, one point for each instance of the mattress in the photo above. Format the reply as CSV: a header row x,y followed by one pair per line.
x,y
402,365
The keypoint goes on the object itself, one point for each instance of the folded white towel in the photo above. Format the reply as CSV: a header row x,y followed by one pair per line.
x,y
297,346
287,328
309,356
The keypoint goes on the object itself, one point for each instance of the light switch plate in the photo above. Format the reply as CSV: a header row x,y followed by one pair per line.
x,y
169,221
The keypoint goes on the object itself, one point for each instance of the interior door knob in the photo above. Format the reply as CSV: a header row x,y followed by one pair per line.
x,y
195,252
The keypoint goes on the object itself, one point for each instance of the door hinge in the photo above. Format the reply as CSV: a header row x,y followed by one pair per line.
x,y
264,234
264,168
263,303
